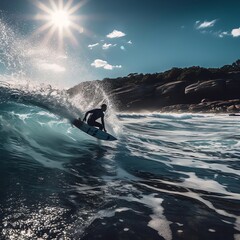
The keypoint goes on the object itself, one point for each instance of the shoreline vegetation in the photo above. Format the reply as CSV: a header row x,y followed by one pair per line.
x,y
193,89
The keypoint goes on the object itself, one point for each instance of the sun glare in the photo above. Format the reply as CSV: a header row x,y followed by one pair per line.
x,y
60,20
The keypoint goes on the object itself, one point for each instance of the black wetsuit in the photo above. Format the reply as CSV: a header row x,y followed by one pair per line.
x,y
95,114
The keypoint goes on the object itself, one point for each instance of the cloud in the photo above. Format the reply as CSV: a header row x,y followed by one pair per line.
x,y
39,54
116,34
205,24
51,67
223,34
91,46
62,57
98,63
107,46
236,32
44,59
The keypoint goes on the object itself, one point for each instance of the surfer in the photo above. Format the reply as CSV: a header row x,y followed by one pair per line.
x,y
96,114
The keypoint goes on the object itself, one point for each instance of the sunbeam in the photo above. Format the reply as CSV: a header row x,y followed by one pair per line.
x,y
60,20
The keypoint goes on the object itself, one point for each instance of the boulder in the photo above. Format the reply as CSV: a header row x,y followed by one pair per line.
x,y
171,89
233,88
183,89
212,89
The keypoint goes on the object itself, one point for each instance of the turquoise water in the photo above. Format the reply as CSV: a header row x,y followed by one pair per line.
x,y
169,176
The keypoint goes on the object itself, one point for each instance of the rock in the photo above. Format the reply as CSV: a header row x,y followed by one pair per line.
x,y
212,89
233,88
232,109
171,89
179,89
204,100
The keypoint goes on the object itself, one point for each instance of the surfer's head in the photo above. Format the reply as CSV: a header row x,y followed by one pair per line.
x,y
104,107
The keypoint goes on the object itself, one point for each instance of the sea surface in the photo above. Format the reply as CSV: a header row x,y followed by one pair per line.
x,y
169,176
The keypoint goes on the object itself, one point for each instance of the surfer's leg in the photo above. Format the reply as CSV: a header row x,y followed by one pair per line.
x,y
95,124
99,125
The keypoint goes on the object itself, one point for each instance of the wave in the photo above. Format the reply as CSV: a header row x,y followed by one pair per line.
x,y
37,124
169,175
163,170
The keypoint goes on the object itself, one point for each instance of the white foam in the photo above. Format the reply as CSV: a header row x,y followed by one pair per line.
x,y
198,197
202,184
122,209
159,221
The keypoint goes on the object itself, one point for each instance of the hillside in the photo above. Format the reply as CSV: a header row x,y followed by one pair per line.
x,y
194,89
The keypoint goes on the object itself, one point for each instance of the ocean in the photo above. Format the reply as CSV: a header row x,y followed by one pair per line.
x,y
169,176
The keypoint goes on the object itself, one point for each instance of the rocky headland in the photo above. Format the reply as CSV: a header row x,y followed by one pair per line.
x,y
193,89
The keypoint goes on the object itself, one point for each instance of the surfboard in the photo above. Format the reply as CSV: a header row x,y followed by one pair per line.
x,y
95,132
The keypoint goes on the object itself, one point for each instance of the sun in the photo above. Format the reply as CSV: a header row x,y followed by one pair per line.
x,y
60,20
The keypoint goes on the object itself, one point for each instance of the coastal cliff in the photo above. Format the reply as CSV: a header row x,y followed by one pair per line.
x,y
193,89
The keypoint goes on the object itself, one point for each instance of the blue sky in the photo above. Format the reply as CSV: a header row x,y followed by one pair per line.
x,y
122,37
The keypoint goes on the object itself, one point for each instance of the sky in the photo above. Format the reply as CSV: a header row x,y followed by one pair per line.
x,y
110,39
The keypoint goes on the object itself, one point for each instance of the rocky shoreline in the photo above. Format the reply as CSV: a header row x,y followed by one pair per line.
x,y
194,89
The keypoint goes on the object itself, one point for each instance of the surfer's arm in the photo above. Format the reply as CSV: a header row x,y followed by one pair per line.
x,y
102,118
85,117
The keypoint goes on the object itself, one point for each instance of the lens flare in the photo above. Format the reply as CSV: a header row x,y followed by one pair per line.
x,y
60,20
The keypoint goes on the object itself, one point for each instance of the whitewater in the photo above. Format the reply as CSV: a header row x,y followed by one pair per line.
x,y
169,176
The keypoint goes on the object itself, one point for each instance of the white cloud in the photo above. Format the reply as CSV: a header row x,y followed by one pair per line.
x,y
107,46
46,59
98,63
116,34
62,57
223,34
205,24
41,53
236,32
51,67
91,46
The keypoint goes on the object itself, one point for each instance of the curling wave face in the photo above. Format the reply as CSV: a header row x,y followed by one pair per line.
x,y
168,177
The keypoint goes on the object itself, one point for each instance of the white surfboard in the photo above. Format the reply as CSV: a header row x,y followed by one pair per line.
x,y
95,132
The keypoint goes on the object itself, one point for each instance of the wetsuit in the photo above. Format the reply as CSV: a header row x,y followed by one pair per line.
x,y
95,114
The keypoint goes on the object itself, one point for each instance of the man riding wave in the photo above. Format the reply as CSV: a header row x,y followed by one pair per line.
x,y
94,115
